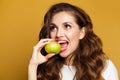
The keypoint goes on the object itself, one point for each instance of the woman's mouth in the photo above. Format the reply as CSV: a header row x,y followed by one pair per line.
x,y
64,45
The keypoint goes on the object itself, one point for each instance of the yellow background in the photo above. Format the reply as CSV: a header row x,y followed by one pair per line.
x,y
21,20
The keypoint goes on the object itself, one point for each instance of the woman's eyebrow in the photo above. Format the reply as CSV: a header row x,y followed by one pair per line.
x,y
67,23
52,24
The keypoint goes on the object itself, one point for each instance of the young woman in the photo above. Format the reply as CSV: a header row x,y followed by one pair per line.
x,y
81,56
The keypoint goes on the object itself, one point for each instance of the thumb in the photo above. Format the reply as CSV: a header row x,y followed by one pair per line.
x,y
49,55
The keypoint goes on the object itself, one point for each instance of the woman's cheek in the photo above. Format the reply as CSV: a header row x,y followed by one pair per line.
x,y
70,34
52,35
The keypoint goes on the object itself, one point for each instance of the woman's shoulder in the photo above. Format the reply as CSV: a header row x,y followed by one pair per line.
x,y
110,71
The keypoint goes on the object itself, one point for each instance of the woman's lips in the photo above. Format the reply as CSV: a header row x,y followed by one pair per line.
x,y
64,45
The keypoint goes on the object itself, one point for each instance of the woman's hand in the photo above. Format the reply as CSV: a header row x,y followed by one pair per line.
x,y
37,58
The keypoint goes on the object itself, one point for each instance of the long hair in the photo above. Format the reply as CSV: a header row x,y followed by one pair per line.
x,y
89,61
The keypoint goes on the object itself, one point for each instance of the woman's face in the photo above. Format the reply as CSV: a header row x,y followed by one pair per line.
x,y
66,31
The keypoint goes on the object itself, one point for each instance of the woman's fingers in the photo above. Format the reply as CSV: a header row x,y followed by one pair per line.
x,y
37,48
49,56
42,43
37,57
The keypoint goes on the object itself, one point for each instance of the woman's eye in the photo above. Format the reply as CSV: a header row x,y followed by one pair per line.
x,y
67,26
53,28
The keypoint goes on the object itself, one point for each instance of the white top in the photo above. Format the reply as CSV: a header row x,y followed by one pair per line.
x,y
110,72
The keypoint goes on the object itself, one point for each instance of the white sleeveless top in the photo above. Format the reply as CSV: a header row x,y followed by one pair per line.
x,y
110,72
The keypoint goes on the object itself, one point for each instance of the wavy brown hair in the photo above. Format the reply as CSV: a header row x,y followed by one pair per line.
x,y
89,61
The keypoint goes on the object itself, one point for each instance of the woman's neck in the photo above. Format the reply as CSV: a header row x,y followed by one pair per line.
x,y
69,60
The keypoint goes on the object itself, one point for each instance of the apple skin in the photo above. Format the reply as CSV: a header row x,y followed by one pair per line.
x,y
53,47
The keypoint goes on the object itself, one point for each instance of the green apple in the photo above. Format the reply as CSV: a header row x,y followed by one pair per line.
x,y
53,47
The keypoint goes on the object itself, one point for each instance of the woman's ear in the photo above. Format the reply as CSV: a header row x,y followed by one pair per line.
x,y
82,32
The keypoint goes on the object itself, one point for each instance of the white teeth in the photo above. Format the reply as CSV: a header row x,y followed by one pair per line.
x,y
62,41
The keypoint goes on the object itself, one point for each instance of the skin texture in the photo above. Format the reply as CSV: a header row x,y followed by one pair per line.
x,y
66,29
37,58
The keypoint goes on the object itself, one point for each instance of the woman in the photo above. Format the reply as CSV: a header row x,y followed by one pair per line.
x,y
81,56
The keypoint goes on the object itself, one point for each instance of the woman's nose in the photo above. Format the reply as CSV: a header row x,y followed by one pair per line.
x,y
60,33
